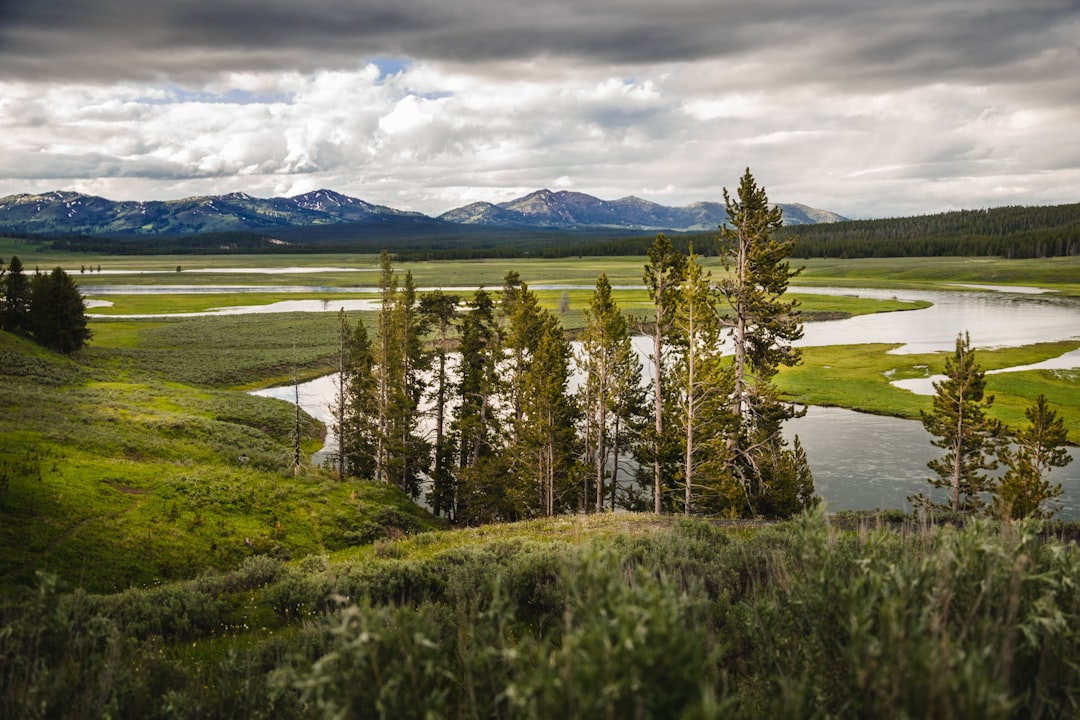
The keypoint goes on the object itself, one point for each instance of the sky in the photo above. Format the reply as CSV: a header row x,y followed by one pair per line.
x,y
868,108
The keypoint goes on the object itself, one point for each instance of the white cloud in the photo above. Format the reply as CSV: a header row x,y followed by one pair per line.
x,y
862,110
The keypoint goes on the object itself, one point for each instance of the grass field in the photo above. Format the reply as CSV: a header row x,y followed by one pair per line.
x,y
105,446
114,473
149,572
859,377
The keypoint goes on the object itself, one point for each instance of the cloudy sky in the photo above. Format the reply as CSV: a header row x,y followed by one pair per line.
x,y
869,108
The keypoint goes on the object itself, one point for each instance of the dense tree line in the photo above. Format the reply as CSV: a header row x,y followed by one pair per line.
x,y
505,436
45,306
1011,232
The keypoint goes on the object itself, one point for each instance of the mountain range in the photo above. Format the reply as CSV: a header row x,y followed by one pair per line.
x,y
70,213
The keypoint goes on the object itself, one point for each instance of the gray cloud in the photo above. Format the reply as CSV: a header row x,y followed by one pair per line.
x,y
819,40
866,108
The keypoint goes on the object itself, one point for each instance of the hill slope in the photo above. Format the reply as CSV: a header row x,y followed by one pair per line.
x,y
111,476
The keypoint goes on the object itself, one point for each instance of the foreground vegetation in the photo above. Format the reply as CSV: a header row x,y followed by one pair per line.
x,y
616,616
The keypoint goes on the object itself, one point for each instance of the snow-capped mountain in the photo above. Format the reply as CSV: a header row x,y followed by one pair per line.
x,y
69,213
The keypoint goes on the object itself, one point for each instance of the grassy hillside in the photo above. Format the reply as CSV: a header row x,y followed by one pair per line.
x,y
610,616
112,475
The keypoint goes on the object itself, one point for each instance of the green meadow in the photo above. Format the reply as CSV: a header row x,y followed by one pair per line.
x,y
162,558
859,377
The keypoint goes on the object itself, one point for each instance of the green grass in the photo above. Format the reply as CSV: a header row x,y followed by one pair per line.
x,y
859,376
202,302
618,616
1059,273
109,480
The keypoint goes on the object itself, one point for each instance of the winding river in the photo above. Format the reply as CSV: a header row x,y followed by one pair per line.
x,y
859,461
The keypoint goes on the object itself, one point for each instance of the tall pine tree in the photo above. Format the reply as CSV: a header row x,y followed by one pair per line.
x,y
440,311
774,478
700,377
607,358
356,408
15,309
662,277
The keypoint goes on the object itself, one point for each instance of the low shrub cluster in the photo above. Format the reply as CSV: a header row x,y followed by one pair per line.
x,y
793,620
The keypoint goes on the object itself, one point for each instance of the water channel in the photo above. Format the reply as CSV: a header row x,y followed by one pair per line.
x,y
859,461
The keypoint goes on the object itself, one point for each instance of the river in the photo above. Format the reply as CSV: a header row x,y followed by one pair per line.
x,y
861,461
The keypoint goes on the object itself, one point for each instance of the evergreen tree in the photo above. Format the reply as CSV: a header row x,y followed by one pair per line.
x,y
961,426
521,328
57,314
15,309
402,456
604,353
475,424
440,310
1024,491
543,454
410,455
699,375
662,277
479,493
387,362
763,327
356,409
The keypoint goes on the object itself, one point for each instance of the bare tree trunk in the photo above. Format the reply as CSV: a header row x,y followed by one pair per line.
x,y
615,462
658,404
343,328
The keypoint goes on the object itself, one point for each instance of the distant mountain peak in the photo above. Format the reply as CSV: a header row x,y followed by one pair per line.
x,y
67,212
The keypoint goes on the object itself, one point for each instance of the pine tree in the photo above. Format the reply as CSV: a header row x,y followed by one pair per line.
x,y
356,409
961,426
544,450
402,456
475,424
57,315
1024,491
699,376
15,309
387,361
662,277
410,455
440,310
605,348
521,326
479,489
763,328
